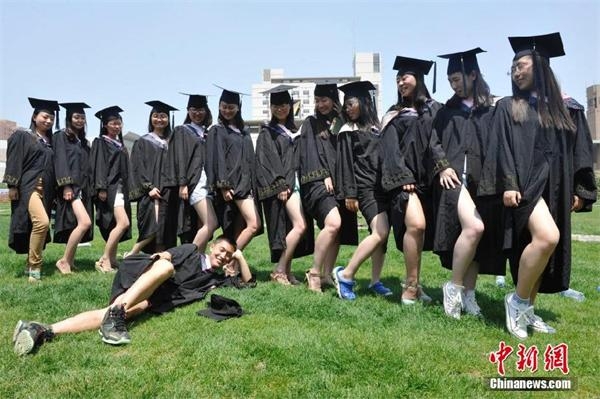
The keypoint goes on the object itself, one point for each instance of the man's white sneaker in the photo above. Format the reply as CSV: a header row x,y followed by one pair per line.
x,y
452,299
516,317
539,325
469,304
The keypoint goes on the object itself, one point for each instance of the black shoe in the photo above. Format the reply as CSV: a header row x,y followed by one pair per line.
x,y
29,335
113,329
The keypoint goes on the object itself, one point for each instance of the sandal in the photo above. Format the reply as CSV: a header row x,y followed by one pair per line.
x,y
103,269
411,293
313,281
35,275
293,280
327,281
63,267
280,278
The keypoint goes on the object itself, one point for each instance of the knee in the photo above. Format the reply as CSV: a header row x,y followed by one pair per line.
x,y
164,269
40,223
547,240
416,227
124,225
474,230
300,226
86,224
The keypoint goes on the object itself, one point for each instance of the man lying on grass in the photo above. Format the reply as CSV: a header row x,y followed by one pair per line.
x,y
156,283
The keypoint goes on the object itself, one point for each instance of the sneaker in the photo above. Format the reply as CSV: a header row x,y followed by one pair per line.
x,y
516,317
539,325
500,282
380,289
344,288
453,299
113,329
30,335
469,304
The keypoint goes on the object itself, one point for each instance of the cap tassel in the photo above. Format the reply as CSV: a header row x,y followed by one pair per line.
x,y
57,120
464,75
172,121
434,75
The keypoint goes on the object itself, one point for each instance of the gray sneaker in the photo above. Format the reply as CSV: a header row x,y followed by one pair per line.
x,y
113,329
539,325
452,299
29,335
516,317
469,304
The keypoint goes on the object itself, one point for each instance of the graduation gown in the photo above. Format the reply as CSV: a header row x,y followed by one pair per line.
x,y
358,169
28,158
412,154
276,170
189,283
72,168
189,152
229,165
110,170
152,167
317,162
540,163
464,132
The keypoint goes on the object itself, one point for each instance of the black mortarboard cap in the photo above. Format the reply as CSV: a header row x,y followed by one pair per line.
x,y
159,106
230,96
196,100
43,105
416,67
361,88
327,90
221,308
106,113
280,94
547,46
75,108
464,61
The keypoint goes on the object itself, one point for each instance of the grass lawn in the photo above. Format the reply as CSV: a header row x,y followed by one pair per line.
x,y
292,343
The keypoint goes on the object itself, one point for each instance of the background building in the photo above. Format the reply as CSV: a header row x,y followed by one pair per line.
x,y
593,117
366,66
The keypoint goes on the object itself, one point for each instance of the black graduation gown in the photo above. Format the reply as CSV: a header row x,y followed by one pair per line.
x,y
540,163
317,161
188,284
464,132
72,168
28,158
230,165
276,169
110,169
410,137
358,170
152,167
189,150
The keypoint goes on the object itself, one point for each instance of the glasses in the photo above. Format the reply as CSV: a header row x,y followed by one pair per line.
x,y
196,110
519,67
280,107
114,124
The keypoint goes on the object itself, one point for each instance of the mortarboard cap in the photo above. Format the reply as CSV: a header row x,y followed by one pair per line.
x,y
159,106
359,88
280,95
221,308
416,67
43,105
196,100
230,96
106,113
75,108
327,90
464,61
547,46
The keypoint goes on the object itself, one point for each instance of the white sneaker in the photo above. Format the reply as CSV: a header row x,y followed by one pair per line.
x,y
452,299
469,304
539,325
516,317
500,281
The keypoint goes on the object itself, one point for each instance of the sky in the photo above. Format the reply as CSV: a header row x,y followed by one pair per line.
x,y
125,52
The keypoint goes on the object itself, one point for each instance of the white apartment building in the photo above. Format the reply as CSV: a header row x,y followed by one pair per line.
x,y
366,66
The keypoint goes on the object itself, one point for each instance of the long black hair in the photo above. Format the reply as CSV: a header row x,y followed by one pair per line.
x,y
551,109
289,120
69,129
418,100
238,121
482,97
323,122
208,119
368,113
33,127
167,131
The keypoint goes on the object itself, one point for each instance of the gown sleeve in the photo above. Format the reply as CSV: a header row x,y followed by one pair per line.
x,y
270,178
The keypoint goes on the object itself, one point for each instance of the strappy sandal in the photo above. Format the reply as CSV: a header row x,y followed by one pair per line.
x,y
63,267
313,280
35,275
99,265
280,278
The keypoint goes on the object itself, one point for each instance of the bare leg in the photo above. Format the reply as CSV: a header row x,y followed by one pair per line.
x,y
206,214
380,228
471,232
293,208
122,224
377,260
138,246
83,225
470,278
325,244
544,238
413,238
250,216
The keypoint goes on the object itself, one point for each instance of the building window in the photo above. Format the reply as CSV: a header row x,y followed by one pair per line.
x,y
376,62
305,101
306,92
265,111
265,102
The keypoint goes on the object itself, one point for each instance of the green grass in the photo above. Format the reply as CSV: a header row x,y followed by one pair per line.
x,y
292,343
